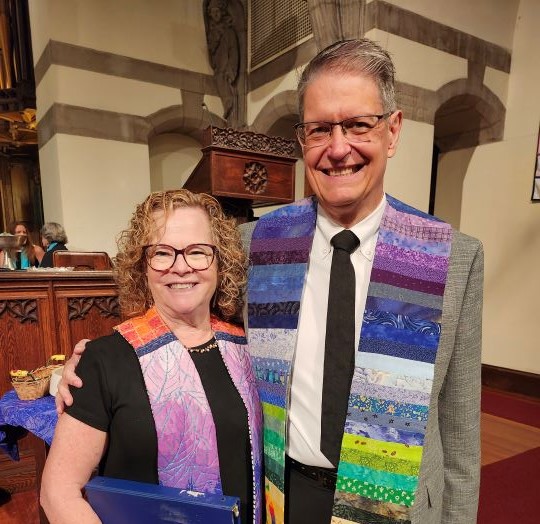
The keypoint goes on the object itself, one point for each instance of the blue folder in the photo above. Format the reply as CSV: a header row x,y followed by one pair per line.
x,y
126,502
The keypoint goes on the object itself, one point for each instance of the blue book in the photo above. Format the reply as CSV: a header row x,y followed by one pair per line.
x,y
126,502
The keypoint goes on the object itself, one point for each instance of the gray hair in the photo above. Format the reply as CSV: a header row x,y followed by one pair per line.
x,y
54,232
362,57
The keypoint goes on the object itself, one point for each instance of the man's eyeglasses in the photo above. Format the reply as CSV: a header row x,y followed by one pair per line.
x,y
355,129
197,256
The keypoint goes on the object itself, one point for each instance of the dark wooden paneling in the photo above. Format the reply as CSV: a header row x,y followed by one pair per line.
x,y
229,167
511,380
89,316
16,477
43,313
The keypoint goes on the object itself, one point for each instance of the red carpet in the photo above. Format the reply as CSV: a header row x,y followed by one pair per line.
x,y
513,408
509,490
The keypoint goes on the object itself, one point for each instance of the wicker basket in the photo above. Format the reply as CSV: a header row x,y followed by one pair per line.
x,y
35,384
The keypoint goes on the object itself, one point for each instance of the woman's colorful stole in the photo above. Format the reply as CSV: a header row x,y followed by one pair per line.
x,y
187,446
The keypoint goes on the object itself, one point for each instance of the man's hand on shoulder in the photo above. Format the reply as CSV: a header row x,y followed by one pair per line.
x,y
69,378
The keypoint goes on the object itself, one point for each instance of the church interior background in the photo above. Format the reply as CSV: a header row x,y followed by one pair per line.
x,y
102,102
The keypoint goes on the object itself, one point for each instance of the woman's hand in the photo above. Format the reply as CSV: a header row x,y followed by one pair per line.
x,y
69,378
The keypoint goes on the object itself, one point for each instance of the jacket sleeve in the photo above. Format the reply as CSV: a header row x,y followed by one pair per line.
x,y
459,403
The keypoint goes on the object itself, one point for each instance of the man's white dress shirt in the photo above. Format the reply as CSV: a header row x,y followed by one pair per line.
x,y
304,424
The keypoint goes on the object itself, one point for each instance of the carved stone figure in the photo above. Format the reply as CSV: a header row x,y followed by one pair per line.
x,y
223,50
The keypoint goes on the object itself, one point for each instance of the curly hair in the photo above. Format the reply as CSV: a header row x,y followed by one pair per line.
x,y
130,263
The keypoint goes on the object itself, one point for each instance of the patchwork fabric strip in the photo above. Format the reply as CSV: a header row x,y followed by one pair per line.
x,y
391,390
279,255
384,435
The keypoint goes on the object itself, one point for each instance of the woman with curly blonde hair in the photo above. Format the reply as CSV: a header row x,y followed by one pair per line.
x,y
170,397
130,265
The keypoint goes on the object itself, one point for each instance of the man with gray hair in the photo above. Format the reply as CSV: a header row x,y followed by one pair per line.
x,y
364,323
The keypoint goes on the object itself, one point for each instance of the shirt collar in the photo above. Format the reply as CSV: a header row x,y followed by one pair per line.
x,y
366,230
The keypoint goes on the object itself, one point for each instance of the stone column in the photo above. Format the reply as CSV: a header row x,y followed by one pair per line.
x,y
334,20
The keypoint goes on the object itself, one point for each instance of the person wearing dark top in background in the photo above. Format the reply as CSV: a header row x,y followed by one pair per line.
x,y
53,238
170,397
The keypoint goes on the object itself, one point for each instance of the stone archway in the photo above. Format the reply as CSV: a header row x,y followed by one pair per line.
x,y
175,141
277,118
467,115
189,119
282,107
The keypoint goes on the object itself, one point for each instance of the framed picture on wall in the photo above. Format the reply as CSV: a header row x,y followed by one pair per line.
x,y
535,197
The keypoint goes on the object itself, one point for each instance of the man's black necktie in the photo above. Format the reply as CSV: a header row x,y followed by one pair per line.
x,y
339,345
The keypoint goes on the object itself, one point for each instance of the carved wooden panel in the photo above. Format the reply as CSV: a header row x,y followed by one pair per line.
x,y
232,177
79,307
249,141
255,177
246,166
23,345
89,315
22,310
37,322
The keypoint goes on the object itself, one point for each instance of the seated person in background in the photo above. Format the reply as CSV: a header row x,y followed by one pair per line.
x,y
170,397
31,254
54,238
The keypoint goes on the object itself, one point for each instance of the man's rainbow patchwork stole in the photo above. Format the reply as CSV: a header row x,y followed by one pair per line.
x,y
394,365
180,408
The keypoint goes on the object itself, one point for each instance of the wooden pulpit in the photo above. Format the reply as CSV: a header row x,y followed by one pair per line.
x,y
244,170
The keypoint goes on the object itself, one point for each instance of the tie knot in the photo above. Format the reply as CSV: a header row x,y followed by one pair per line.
x,y
345,240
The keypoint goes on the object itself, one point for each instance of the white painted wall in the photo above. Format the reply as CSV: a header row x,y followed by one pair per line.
x,y
491,20
497,209
67,85
169,32
86,194
418,64
408,173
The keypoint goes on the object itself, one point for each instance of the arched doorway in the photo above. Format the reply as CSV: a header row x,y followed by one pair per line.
x,y
463,120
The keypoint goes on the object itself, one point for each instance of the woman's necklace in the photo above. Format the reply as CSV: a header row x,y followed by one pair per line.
x,y
211,344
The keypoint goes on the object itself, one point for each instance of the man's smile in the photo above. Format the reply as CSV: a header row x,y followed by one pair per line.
x,y
342,171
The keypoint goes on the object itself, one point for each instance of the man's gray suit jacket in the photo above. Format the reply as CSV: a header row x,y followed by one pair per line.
x,y
450,471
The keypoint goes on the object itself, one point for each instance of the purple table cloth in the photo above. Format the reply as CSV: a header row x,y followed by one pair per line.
x,y
37,416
